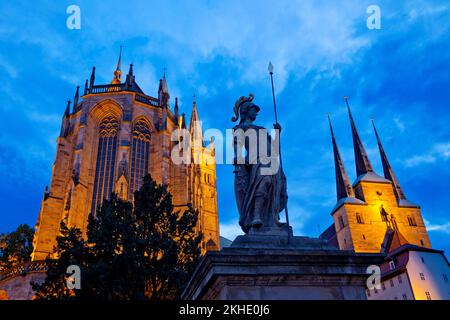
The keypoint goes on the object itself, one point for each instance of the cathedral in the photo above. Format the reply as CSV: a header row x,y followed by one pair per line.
x,y
111,137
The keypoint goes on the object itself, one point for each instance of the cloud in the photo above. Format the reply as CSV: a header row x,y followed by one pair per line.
x,y
419,160
445,228
439,151
230,229
400,124
321,50
9,68
54,119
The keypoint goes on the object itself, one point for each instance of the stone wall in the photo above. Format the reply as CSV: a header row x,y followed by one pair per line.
x,y
369,235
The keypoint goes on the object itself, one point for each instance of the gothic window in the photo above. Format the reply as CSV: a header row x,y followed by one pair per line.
x,y
106,159
411,221
140,150
359,219
341,222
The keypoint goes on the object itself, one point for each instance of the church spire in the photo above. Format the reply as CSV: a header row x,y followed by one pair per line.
x,y
130,76
195,118
388,171
343,186
86,87
362,161
67,112
92,79
195,126
77,97
65,121
118,71
175,109
163,90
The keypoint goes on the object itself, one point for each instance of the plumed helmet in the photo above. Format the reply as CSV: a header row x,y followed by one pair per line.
x,y
242,105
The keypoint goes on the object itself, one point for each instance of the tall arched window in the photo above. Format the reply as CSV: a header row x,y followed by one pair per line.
x,y
106,159
140,149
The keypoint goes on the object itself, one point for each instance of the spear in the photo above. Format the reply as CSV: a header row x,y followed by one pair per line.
x,y
279,145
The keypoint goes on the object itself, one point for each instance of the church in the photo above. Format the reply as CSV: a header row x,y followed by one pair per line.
x,y
112,136
373,215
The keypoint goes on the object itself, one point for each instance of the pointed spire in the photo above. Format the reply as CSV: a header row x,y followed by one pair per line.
x,y
195,118
130,76
65,121
388,171
77,97
363,164
130,71
163,90
183,121
67,112
118,72
86,87
195,126
175,109
343,186
92,78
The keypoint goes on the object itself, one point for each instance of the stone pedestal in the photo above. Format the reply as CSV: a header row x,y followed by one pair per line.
x,y
265,267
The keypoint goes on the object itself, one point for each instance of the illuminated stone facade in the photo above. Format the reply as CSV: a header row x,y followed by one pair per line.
x,y
111,138
369,211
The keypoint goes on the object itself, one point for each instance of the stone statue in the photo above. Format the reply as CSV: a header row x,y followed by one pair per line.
x,y
260,196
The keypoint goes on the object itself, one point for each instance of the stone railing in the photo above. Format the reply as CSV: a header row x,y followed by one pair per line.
x,y
108,88
124,87
147,99
23,269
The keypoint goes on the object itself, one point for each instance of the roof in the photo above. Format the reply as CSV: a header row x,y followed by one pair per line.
x,y
400,256
413,247
343,201
400,263
330,236
371,177
224,242
393,240
407,204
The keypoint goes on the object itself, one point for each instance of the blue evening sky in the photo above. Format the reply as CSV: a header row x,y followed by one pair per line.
x,y
219,50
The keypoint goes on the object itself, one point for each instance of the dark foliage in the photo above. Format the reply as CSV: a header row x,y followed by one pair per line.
x,y
145,251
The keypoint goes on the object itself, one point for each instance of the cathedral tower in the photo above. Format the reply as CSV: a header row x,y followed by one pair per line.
x,y
113,136
368,212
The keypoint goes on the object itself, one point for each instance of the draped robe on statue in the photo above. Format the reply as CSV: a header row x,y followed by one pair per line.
x,y
259,197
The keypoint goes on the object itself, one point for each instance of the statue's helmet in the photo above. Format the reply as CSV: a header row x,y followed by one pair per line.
x,y
242,105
